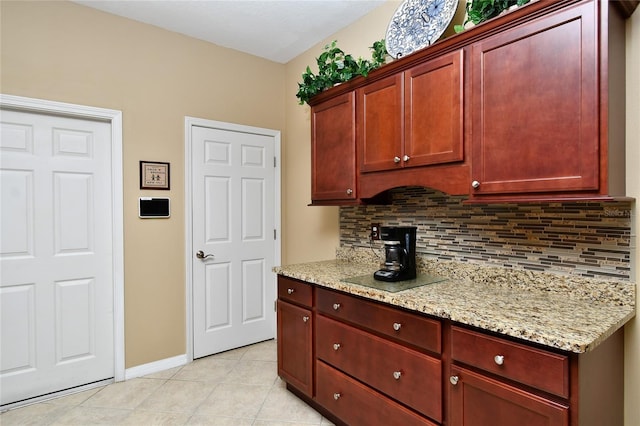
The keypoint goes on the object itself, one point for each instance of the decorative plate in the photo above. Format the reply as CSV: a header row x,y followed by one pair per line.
x,y
417,24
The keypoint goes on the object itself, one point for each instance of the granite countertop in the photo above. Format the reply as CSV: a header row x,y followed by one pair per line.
x,y
567,313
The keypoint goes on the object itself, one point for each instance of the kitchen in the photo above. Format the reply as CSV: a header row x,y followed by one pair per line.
x,y
101,67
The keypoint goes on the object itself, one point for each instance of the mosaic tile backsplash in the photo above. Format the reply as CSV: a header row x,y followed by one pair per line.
x,y
589,239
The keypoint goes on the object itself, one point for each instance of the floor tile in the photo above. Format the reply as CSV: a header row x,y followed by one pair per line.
x,y
282,405
177,396
208,369
127,394
235,388
234,400
144,418
231,354
265,351
91,416
164,374
253,373
75,398
218,421
36,414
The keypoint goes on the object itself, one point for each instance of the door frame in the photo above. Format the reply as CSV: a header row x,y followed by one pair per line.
x,y
189,123
114,118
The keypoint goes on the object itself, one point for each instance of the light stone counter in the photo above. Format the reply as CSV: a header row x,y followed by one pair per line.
x,y
567,313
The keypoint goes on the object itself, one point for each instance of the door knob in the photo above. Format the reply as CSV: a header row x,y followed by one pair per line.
x,y
200,255
396,159
406,158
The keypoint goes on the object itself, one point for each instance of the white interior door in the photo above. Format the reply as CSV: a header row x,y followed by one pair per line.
x,y
56,290
233,205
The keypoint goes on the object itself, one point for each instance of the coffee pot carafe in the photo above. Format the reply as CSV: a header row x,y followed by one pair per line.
x,y
400,253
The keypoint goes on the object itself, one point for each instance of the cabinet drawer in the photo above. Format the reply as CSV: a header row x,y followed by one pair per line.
x,y
408,376
295,291
357,404
540,369
404,326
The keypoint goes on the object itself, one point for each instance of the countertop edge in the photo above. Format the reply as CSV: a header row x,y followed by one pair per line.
x,y
329,274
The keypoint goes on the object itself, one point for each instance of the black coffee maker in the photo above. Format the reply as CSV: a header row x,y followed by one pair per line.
x,y
400,253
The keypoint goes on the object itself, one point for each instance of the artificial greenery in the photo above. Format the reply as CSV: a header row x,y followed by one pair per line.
x,y
481,10
335,66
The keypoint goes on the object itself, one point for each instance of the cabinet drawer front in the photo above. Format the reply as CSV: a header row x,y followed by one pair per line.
x,y
357,404
404,326
408,376
295,291
543,370
480,400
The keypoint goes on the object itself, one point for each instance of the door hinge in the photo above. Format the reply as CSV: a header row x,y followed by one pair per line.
x,y
274,162
275,234
275,306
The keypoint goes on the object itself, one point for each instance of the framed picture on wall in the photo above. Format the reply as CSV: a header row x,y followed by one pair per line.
x,y
154,175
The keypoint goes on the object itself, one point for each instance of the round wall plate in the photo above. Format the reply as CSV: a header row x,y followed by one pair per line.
x,y
417,24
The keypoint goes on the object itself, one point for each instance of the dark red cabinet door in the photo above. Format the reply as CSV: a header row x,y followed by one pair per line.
x,y
534,100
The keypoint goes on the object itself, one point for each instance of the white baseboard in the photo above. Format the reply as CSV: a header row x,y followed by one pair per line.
x,y
154,367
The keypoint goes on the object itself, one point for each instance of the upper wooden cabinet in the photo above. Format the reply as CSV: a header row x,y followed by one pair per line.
x,y
380,124
333,150
413,118
534,100
527,106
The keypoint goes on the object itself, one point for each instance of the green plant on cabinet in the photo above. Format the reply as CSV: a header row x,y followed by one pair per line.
x,y
335,66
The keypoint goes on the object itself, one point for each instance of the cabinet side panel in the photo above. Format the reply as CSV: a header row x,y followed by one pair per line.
x,y
601,383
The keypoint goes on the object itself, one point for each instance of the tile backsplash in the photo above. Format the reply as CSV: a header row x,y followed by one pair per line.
x,y
589,239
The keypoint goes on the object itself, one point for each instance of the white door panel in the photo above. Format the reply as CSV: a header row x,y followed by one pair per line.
x,y
233,217
56,249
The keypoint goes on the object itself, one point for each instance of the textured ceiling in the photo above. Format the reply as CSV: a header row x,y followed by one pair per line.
x,y
278,30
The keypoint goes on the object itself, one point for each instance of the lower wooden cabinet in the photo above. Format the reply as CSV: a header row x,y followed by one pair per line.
x,y
478,400
361,362
295,360
295,334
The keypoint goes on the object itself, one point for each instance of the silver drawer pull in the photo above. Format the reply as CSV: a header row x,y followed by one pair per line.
x,y
396,326
336,306
454,380
499,359
336,396
397,374
336,346
305,318
290,291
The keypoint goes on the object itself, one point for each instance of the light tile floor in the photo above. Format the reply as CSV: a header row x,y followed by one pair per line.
x,y
238,387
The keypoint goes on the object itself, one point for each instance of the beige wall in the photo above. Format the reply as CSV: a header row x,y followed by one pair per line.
x,y
311,233
632,330
65,52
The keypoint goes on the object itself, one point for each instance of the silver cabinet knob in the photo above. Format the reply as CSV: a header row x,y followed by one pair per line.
x,y
336,346
475,184
396,326
396,159
397,375
336,306
406,158
499,359
290,291
454,380
200,255
349,191
305,318
336,396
